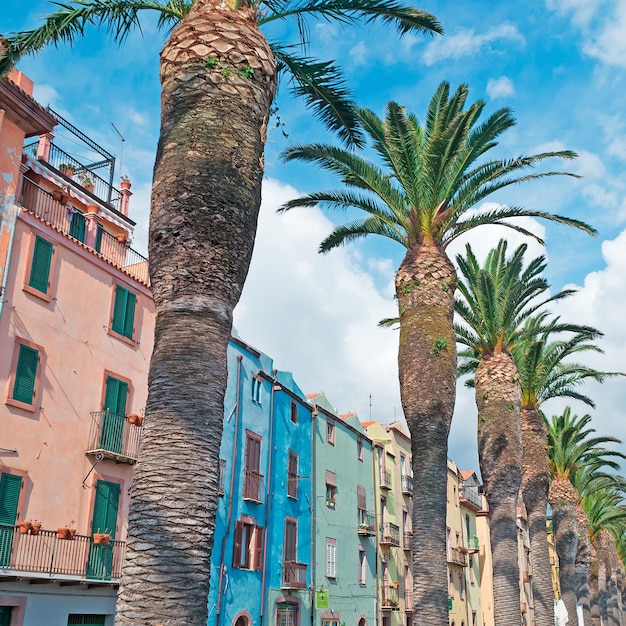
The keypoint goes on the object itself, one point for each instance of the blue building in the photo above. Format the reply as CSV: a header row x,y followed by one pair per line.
x,y
261,560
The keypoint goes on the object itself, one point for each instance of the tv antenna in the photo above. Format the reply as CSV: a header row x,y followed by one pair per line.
x,y
121,146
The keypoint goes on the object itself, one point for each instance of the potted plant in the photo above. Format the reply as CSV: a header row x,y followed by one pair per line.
x,y
35,527
24,527
67,532
86,180
125,182
135,419
396,584
122,237
67,169
101,539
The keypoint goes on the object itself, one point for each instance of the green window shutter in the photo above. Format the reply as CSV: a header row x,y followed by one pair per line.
x,y
10,486
115,395
105,508
24,386
40,266
124,312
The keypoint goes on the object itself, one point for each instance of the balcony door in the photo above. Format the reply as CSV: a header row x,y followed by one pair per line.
x,y
115,398
105,508
10,486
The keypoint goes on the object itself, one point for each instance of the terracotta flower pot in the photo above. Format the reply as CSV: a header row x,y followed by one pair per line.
x,y
66,533
135,419
24,527
101,539
125,184
35,528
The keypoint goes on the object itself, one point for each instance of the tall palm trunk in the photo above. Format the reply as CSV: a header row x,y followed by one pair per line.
x,y
425,284
498,398
535,486
613,599
583,563
594,594
603,574
205,201
563,500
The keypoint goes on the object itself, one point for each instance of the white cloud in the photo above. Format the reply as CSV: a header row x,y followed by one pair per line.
x,y
46,95
359,54
500,87
581,11
466,42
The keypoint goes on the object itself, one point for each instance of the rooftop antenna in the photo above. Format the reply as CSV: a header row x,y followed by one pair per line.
x,y
370,407
121,147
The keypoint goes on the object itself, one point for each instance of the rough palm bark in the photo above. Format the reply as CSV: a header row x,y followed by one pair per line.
x,y
535,487
200,249
425,284
594,594
563,499
498,398
583,564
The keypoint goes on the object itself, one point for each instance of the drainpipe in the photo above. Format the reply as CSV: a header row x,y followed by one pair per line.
x,y
313,515
268,491
376,548
230,494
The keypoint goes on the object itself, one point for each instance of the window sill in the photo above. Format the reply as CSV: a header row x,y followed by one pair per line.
x,y
46,297
20,405
113,333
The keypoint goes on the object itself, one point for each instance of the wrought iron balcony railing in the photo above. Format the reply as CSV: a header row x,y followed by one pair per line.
x,y
366,523
390,535
389,600
407,540
408,601
54,209
457,557
470,495
294,575
407,485
253,486
473,545
385,479
115,436
46,554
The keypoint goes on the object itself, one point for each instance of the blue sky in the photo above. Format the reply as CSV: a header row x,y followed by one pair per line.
x,y
561,66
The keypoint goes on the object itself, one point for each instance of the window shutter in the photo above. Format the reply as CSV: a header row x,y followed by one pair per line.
x,y
361,501
331,478
258,547
119,310
10,486
253,453
24,386
105,507
129,321
40,266
237,544
291,540
115,395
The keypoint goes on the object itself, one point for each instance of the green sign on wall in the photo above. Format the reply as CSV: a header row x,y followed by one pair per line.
x,y
321,599
449,604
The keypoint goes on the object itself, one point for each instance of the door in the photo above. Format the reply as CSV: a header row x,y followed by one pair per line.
x,y
10,486
77,226
115,397
105,508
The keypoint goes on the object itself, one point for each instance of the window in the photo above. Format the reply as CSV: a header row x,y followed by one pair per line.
x,y
286,614
451,585
10,487
331,489
330,621
292,475
331,556
77,224
39,277
123,321
256,389
471,569
361,504
25,374
85,619
330,431
362,566
294,412
461,586
248,545
252,478
359,448
291,539
474,622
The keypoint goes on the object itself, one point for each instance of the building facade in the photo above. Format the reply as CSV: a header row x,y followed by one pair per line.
x,y
76,332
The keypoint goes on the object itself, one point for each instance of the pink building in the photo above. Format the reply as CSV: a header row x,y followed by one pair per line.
x,y
76,332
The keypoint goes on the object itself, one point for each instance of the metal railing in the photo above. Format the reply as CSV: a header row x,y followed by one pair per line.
x,y
472,496
390,534
46,553
54,209
457,557
389,600
294,575
114,436
366,523
473,544
408,601
253,486
407,540
407,484
385,479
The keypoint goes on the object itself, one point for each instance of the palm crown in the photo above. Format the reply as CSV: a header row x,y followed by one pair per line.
x,y
320,83
432,174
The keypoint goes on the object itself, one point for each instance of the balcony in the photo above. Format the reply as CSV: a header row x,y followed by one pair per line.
x,y
367,524
389,601
457,557
408,601
390,535
407,540
385,479
46,556
407,485
54,209
114,436
473,544
471,498
253,486
294,575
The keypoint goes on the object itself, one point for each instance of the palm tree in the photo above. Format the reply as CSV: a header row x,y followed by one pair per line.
x,y
218,76
545,373
574,455
431,176
493,304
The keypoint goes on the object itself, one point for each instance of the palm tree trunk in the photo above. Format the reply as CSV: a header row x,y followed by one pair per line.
x,y
603,574
594,596
535,486
205,201
583,562
500,456
563,500
425,284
